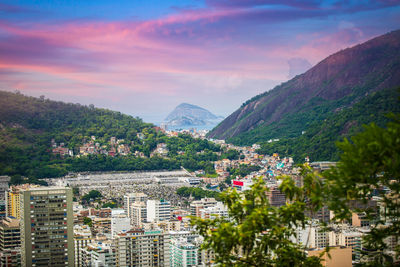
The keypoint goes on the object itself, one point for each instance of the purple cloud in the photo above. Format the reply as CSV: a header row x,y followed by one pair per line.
x,y
224,52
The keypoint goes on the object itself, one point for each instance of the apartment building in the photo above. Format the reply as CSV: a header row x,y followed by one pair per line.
x,y
140,248
158,210
197,205
47,227
131,198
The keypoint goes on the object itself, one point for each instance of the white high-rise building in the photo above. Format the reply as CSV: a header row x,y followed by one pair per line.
x,y
82,237
196,206
312,236
158,210
97,254
119,221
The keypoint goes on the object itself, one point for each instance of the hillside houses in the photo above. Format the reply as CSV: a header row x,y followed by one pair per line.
x,y
160,150
60,149
112,148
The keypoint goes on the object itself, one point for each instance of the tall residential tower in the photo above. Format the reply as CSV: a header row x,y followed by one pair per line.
x,y
47,237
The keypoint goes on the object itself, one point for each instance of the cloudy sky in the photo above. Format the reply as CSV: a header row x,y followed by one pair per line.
x,y
145,57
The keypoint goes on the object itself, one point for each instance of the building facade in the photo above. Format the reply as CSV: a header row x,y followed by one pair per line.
x,y
183,253
131,198
140,248
198,205
138,212
47,227
12,199
9,233
82,238
119,222
158,210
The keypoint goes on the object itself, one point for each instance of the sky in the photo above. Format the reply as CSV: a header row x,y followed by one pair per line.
x,y
144,57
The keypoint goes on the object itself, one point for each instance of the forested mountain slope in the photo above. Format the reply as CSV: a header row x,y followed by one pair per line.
x,y
43,138
323,94
337,82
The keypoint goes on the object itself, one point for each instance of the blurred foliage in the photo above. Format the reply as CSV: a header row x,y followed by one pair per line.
x,y
370,167
88,221
111,205
258,234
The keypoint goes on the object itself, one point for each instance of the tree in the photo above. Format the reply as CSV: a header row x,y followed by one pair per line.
x,y
370,166
259,234
87,221
75,191
93,194
16,179
230,154
111,205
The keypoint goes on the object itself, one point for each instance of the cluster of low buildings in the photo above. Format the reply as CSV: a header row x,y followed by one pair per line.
x,y
195,133
113,147
60,149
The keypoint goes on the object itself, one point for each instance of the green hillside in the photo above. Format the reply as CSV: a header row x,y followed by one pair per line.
x,y
29,127
318,141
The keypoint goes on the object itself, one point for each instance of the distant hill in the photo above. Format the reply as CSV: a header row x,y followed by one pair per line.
x,y
41,138
28,124
191,115
322,97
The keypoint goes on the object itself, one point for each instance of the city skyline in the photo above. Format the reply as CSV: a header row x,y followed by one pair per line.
x,y
144,58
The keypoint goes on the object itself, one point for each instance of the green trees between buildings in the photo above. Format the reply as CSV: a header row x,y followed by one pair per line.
x,y
92,195
258,234
88,221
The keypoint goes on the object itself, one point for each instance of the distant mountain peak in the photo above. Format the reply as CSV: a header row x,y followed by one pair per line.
x,y
186,114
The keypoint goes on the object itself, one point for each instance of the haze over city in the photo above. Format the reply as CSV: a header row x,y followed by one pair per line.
x,y
143,58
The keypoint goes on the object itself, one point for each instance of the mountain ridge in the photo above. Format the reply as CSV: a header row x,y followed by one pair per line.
x,y
339,81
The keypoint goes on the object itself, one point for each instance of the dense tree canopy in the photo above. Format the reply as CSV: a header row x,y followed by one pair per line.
x,y
92,195
28,124
319,136
370,166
